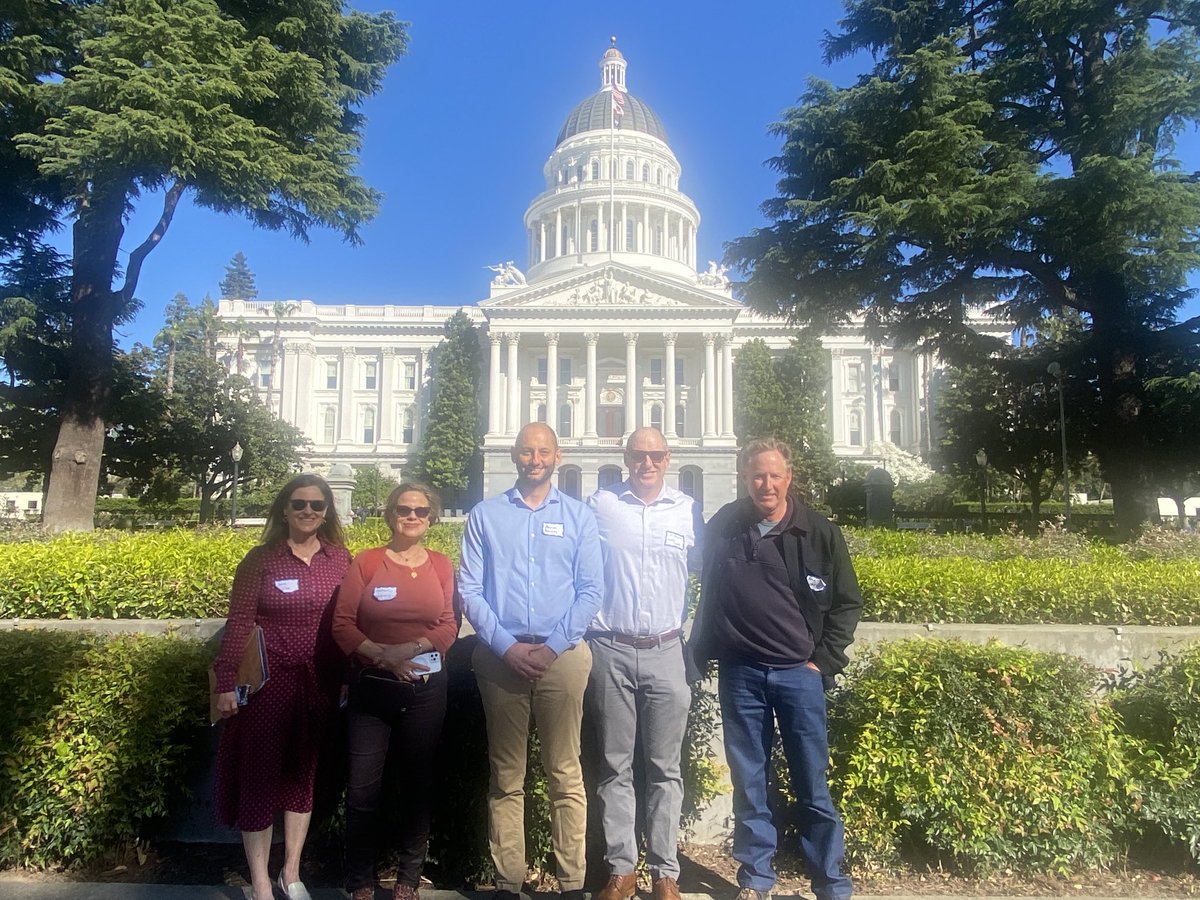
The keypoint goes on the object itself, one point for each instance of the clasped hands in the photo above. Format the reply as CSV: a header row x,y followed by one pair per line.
x,y
530,661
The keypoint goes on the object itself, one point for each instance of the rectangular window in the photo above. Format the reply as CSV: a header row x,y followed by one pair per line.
x,y
564,370
410,376
264,379
329,425
679,371
893,376
370,373
542,376
330,375
407,429
855,430
656,370
854,378
32,504
368,425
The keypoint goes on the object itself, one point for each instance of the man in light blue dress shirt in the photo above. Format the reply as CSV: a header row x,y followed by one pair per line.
x,y
531,581
651,537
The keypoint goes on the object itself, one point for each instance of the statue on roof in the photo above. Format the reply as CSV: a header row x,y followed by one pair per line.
x,y
715,276
507,275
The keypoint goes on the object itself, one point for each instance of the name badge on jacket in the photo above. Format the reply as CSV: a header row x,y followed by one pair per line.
x,y
552,529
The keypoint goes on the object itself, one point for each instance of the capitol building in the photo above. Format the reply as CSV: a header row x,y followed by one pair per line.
x,y
613,323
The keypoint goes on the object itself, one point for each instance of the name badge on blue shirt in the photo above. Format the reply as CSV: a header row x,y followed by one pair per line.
x,y
385,592
288,585
552,529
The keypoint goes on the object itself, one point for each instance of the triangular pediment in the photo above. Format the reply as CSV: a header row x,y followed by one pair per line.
x,y
612,287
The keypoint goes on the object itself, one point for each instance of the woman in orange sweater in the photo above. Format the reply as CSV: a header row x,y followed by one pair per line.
x,y
395,607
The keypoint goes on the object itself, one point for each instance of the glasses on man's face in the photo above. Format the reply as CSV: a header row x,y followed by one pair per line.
x,y
317,506
403,512
640,456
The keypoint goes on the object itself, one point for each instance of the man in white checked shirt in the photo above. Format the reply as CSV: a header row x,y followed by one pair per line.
x,y
650,534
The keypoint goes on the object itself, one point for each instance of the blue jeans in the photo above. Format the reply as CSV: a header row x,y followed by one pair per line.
x,y
752,698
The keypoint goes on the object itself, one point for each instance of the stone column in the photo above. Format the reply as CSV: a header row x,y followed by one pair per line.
x,y
346,397
590,388
511,423
493,425
387,400
624,226
289,382
558,247
631,382
552,380
542,241
710,385
421,398
669,386
647,241
304,390
837,399
872,423
727,386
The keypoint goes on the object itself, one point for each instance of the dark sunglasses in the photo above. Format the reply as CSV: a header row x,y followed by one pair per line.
x,y
403,512
655,456
315,505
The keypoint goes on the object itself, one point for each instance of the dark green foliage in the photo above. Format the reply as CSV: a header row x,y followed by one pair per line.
x,y
94,739
1160,719
975,758
1003,156
449,450
238,282
784,397
371,489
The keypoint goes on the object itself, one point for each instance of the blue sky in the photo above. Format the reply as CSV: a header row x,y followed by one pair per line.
x,y
458,136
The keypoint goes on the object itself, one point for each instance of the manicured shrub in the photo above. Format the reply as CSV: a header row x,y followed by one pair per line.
x,y
975,758
94,737
1160,720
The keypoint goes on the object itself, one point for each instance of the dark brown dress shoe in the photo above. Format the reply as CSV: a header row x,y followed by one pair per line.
x,y
666,888
619,887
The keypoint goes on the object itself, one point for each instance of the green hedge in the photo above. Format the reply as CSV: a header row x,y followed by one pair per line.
x,y
946,754
906,577
93,738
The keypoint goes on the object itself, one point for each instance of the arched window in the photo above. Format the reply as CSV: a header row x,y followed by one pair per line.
x,y
608,476
656,416
658,175
855,429
670,180
646,172
896,430
594,236
579,172
691,482
595,170
565,414
368,432
408,423
570,482
629,170
329,425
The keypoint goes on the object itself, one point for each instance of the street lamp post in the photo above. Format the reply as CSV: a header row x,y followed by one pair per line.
x,y
236,455
981,458
1056,372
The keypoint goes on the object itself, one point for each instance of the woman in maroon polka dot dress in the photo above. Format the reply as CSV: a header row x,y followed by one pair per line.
x,y
268,755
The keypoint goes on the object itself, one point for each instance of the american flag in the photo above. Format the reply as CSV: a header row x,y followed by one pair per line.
x,y
618,103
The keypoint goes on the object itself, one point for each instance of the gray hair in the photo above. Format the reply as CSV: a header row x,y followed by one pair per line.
x,y
764,445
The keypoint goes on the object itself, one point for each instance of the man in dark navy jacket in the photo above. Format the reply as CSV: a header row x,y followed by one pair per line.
x,y
779,605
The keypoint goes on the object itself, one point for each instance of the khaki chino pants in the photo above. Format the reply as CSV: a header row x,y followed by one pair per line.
x,y
556,703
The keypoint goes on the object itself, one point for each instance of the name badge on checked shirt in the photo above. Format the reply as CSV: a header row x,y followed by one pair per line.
x,y
552,529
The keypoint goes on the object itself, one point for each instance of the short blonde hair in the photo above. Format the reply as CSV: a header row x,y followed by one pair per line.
x,y
431,497
764,445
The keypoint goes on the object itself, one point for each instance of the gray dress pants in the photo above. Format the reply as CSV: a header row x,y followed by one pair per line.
x,y
644,693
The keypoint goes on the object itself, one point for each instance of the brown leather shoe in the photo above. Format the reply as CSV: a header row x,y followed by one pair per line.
x,y
666,888
619,887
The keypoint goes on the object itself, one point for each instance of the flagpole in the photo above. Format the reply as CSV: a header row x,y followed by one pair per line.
x,y
612,166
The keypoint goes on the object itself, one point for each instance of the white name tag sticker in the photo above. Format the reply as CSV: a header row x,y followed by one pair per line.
x,y
288,585
816,583
674,539
385,592
552,529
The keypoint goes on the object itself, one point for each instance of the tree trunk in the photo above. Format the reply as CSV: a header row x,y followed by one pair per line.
x,y
171,369
75,462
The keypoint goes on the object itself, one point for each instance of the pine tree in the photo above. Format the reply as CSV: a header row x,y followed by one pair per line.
x,y
238,283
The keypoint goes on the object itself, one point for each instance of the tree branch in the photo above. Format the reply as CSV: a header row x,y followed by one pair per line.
x,y
134,270
1045,274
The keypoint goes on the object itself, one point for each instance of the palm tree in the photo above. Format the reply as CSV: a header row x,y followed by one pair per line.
x,y
280,309
241,329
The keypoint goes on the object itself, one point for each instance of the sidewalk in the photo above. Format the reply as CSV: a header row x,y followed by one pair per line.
x,y
18,890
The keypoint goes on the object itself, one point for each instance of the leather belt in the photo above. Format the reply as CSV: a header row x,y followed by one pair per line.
x,y
636,641
529,639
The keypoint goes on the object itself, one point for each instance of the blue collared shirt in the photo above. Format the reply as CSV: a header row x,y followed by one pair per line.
x,y
530,571
649,548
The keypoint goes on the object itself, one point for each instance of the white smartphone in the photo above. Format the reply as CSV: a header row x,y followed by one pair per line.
x,y
432,661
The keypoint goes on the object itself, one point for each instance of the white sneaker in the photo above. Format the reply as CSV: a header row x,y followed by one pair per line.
x,y
294,891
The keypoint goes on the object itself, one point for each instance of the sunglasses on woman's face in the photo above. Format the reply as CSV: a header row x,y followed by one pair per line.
x,y
403,512
317,506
